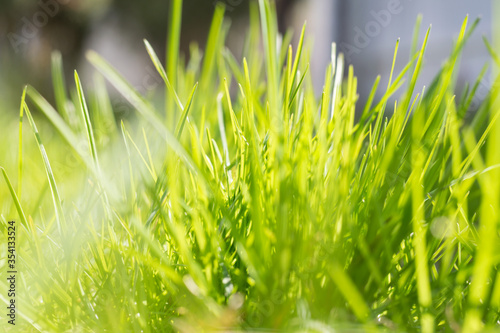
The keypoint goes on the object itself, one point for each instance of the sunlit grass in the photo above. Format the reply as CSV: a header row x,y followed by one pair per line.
x,y
237,199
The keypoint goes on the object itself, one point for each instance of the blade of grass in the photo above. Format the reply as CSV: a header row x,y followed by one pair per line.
x,y
172,52
61,222
20,145
144,108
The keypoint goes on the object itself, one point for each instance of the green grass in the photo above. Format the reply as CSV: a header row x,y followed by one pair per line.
x,y
237,199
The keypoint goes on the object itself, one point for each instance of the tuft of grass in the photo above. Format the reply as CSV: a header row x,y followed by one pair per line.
x,y
237,199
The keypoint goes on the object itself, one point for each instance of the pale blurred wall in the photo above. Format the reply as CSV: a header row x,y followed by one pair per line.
x,y
321,21
366,31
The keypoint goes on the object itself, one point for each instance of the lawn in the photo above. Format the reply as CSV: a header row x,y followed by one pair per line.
x,y
235,198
